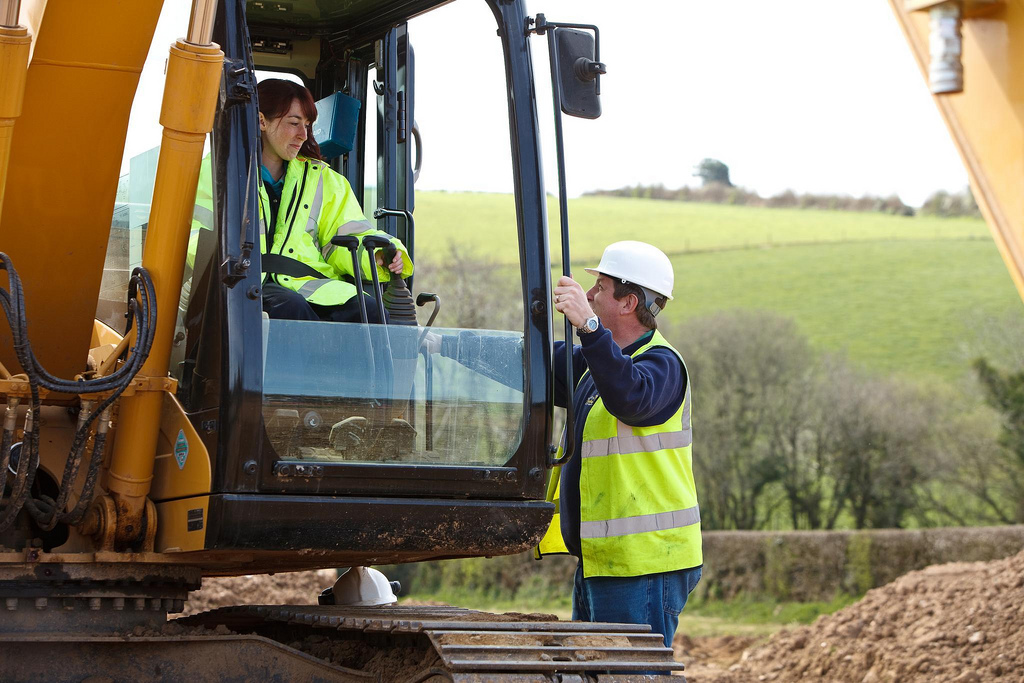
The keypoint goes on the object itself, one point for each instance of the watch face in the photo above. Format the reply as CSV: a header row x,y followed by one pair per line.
x,y
591,323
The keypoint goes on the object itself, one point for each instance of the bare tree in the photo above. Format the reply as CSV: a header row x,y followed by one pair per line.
x,y
780,430
976,480
804,438
883,440
745,366
476,292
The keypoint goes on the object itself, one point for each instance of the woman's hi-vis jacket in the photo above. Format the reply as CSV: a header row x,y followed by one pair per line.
x,y
317,204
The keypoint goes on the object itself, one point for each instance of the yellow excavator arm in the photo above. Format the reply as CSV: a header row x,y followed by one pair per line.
x,y
55,222
65,160
984,41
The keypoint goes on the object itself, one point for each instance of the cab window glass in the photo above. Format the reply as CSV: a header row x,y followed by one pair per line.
x,y
130,219
452,394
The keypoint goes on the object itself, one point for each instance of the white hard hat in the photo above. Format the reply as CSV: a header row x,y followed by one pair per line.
x,y
637,262
363,587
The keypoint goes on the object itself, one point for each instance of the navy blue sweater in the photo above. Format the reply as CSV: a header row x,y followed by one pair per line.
x,y
643,392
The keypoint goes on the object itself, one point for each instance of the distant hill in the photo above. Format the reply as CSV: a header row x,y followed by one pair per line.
x,y
676,227
898,294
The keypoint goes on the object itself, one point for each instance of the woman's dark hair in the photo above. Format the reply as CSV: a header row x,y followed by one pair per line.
x,y
275,97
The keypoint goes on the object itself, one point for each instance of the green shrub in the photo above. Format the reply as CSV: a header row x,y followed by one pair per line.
x,y
860,577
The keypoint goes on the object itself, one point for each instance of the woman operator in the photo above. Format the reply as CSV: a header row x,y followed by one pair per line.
x,y
303,204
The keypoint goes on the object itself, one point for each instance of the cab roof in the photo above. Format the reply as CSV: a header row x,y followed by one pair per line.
x,y
332,18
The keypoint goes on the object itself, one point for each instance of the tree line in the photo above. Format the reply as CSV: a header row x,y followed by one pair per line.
x,y
787,438
717,188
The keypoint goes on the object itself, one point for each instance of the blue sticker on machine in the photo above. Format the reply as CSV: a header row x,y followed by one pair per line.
x,y
181,449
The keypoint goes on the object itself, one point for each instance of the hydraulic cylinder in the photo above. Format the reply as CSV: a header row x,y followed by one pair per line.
x,y
15,43
189,103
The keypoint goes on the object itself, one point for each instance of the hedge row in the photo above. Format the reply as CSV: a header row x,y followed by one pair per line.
x,y
818,565
795,565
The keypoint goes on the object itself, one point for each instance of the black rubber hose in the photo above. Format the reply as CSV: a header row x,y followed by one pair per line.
x,y
5,458
27,463
14,308
78,512
47,511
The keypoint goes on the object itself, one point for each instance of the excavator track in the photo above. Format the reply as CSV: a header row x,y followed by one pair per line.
x,y
459,644
391,644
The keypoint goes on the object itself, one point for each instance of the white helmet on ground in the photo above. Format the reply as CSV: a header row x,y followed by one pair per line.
x,y
640,263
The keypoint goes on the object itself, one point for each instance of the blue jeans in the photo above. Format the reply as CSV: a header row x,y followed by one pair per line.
x,y
655,599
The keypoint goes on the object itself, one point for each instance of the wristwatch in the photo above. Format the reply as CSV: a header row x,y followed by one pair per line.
x,y
588,326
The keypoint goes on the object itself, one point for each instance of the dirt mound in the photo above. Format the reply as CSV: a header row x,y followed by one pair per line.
x,y
959,622
291,588
708,656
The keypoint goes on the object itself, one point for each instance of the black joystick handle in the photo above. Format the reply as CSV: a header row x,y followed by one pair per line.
x,y
351,242
372,243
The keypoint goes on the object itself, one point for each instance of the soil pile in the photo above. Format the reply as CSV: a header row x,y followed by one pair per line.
x,y
708,656
290,588
960,622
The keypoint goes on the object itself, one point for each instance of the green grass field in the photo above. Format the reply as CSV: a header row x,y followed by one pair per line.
x,y
905,307
488,220
896,294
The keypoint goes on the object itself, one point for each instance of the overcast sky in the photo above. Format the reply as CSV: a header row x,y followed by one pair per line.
x,y
812,95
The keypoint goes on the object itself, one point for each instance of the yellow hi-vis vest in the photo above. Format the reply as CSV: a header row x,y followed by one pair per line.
x,y
638,500
317,204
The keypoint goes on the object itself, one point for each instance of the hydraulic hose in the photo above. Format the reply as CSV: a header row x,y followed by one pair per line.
x,y
47,511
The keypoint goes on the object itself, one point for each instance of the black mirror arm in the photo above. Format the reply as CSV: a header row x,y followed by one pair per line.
x,y
595,69
563,223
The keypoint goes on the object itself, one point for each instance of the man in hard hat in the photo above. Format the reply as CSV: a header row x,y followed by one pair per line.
x,y
626,504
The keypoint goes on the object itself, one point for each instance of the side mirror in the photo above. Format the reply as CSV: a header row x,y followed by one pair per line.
x,y
575,87
578,73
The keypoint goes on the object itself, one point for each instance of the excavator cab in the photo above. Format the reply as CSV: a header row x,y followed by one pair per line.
x,y
353,439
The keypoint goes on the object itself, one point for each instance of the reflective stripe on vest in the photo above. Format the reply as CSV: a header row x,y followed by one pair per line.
x,y
349,228
625,443
309,287
658,521
314,210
